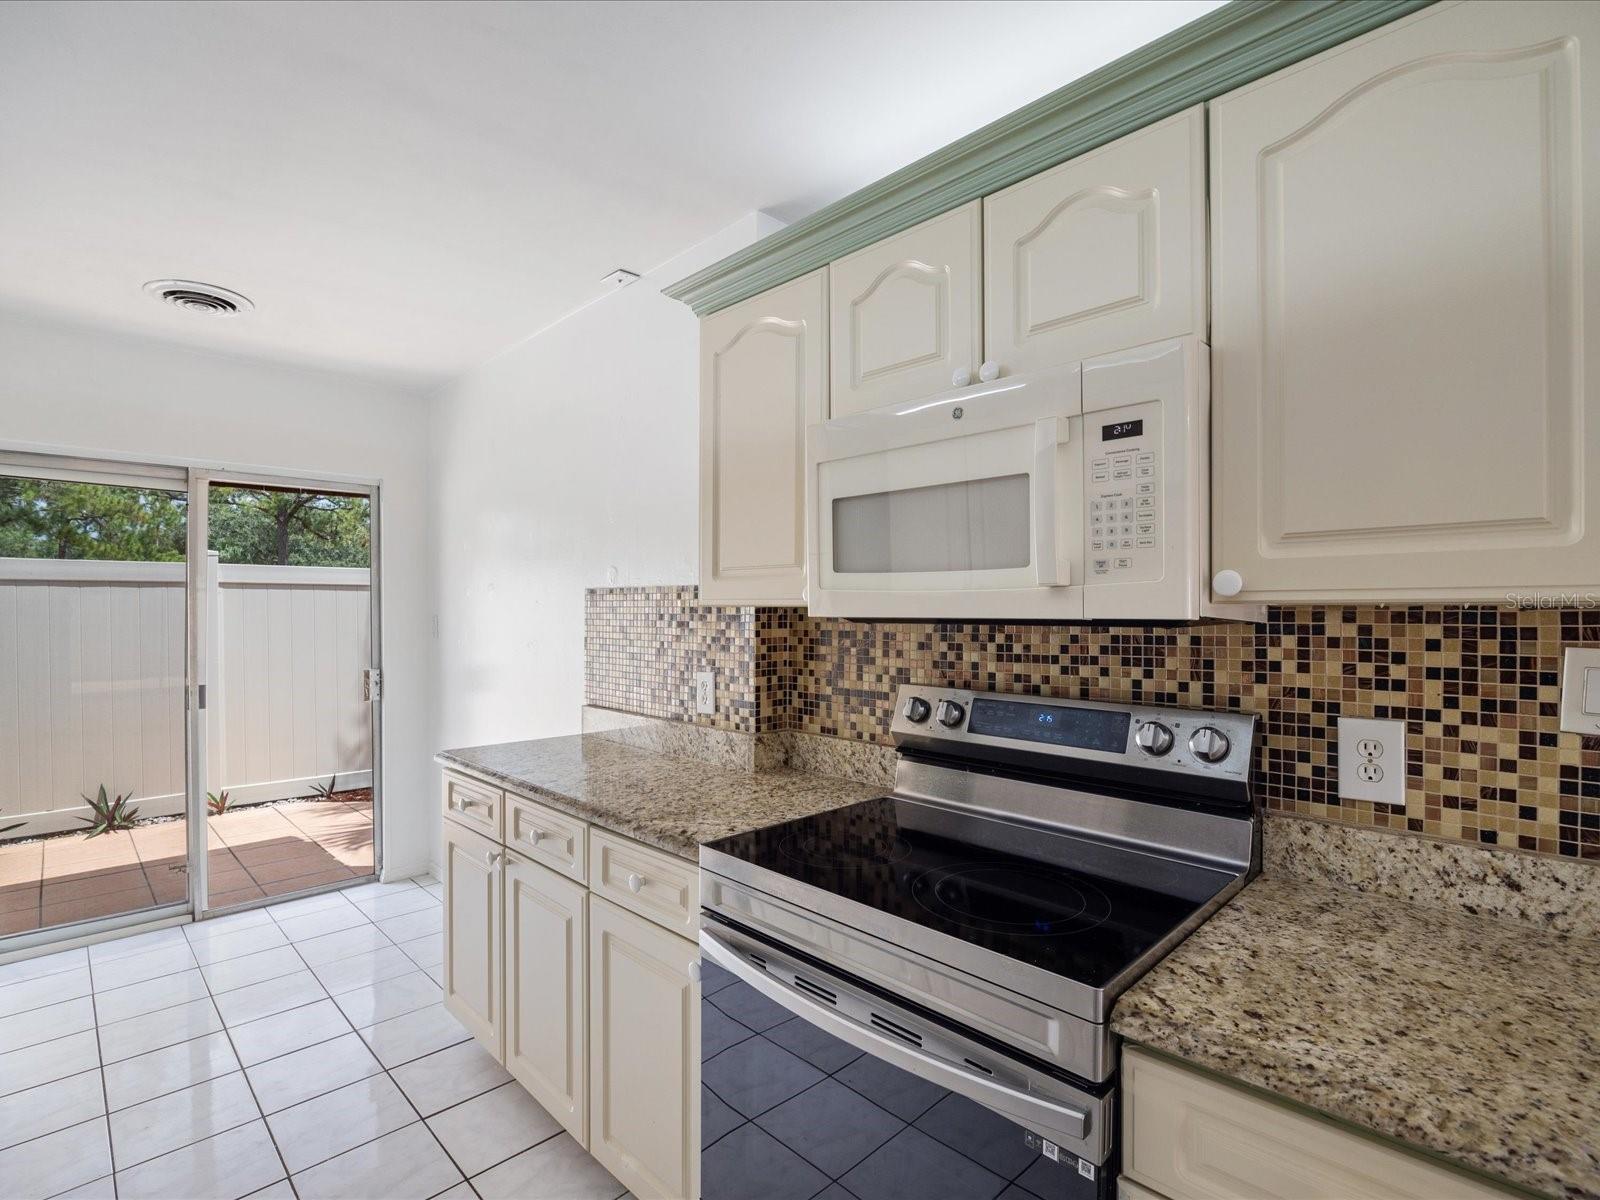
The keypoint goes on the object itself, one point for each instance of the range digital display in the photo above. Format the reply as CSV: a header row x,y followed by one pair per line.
x,y
1122,429
1053,724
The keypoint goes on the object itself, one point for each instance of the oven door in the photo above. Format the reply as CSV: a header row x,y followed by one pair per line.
x,y
812,1081
967,503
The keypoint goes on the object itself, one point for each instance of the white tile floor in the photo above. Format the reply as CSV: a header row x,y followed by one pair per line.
x,y
297,1051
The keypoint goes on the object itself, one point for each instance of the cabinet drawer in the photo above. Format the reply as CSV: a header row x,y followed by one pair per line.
x,y
473,804
658,886
1192,1137
553,838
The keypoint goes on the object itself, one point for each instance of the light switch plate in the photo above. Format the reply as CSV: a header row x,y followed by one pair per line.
x,y
1372,761
1580,690
705,692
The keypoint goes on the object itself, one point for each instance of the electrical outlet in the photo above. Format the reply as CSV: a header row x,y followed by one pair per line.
x,y
1372,761
705,692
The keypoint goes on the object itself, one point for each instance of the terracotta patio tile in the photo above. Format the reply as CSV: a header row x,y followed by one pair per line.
x,y
104,904
18,895
19,921
21,863
283,887
317,861
72,885
274,851
240,896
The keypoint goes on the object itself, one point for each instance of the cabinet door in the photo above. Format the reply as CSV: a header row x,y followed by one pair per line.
x,y
1404,293
644,1057
763,374
1101,253
472,929
904,314
546,948
1189,1137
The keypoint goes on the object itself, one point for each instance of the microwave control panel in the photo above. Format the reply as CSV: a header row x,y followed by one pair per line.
x,y
1123,536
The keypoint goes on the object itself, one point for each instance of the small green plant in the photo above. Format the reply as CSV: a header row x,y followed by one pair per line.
x,y
217,804
324,791
110,815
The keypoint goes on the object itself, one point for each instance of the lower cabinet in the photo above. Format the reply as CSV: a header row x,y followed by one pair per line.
x,y
1189,1136
546,957
472,933
644,1079
593,1008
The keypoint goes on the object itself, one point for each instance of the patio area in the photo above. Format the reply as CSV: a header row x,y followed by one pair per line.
x,y
265,850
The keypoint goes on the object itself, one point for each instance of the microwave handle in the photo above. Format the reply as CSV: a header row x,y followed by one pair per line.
x,y
1052,569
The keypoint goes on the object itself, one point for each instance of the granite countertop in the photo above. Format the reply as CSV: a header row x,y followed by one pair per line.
x,y
1475,1039
664,801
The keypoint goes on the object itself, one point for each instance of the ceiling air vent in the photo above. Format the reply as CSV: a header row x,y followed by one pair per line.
x,y
204,298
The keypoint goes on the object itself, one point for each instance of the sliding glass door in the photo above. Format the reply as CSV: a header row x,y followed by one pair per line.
x,y
189,693
94,738
292,688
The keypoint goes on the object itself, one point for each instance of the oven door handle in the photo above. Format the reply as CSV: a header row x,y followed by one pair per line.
x,y
1043,1114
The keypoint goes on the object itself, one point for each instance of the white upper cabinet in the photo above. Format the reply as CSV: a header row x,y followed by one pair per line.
x,y
763,379
1101,253
904,313
1405,288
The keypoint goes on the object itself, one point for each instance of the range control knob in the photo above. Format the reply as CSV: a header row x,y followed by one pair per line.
x,y
1209,744
1153,738
950,713
916,710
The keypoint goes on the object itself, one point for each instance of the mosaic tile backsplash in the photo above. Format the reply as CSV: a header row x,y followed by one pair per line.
x,y
1479,688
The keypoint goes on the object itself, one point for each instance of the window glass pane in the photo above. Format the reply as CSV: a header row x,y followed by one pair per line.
x,y
974,525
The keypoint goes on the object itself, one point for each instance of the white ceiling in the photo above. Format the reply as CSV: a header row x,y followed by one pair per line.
x,y
406,188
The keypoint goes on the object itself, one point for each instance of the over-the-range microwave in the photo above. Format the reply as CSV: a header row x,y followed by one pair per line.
x,y
1076,493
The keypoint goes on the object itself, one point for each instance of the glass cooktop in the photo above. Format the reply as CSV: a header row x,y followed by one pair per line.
x,y
1081,909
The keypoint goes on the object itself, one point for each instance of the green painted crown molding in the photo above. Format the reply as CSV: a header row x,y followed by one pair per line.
x,y
1221,51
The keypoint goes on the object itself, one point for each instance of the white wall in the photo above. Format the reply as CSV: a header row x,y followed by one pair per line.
x,y
81,389
567,462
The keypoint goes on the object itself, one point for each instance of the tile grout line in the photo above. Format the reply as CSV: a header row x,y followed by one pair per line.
x,y
100,1065
211,996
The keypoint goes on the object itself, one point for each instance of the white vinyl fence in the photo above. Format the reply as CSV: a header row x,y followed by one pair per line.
x,y
91,684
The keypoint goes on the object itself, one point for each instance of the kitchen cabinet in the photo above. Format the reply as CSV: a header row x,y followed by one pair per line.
x,y
644,1009
905,314
1187,1135
571,954
472,932
763,379
1103,253
546,991
1404,295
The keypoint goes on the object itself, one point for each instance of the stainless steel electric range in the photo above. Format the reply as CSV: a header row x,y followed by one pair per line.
x,y
910,996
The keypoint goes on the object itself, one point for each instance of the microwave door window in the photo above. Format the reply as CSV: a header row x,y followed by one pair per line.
x,y
970,525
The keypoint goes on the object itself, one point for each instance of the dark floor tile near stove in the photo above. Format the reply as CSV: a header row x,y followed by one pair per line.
x,y
718,1031
756,1075
749,1007
821,1050
912,1166
980,1134
830,1126
887,1086
716,1118
749,1163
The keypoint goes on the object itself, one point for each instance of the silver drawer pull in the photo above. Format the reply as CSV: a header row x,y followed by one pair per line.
x,y
635,883
461,804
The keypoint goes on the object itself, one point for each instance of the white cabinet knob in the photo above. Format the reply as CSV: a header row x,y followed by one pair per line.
x,y
1227,583
694,971
492,858
960,377
989,372
533,835
635,882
